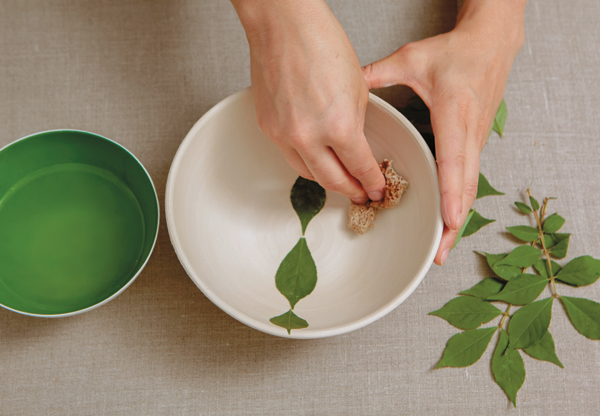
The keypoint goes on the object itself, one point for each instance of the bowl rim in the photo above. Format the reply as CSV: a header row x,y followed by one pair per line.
x,y
131,280
261,326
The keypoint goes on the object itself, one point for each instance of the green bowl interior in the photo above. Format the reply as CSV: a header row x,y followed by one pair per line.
x,y
78,219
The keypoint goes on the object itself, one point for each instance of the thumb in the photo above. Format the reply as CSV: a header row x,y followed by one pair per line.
x,y
391,70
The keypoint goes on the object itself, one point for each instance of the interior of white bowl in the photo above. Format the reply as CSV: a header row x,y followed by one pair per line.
x,y
231,222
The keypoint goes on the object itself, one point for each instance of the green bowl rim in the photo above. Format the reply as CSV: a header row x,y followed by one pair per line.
x,y
117,293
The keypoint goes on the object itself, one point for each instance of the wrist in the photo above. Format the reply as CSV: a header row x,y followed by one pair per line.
x,y
497,22
262,18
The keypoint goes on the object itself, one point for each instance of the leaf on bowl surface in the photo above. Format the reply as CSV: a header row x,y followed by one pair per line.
x,y
308,199
296,276
289,321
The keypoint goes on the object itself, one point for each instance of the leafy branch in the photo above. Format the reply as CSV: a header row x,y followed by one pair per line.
x,y
527,329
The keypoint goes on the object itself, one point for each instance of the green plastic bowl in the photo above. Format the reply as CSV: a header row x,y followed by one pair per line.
x,y
78,221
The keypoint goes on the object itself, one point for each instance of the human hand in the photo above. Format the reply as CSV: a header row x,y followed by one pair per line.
x,y
461,77
310,94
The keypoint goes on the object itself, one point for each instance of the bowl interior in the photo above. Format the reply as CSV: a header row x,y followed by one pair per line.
x,y
78,219
232,223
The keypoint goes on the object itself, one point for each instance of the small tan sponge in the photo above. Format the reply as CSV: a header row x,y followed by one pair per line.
x,y
361,216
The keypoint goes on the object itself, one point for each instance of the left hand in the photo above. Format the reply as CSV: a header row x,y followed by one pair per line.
x,y
461,76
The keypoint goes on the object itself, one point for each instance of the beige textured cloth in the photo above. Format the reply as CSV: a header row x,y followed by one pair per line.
x,y
142,72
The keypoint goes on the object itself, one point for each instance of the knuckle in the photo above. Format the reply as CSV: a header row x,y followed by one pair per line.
x,y
340,129
470,191
366,172
335,184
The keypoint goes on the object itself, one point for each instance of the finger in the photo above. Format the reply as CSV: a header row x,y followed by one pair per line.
x,y
395,68
296,162
357,158
469,196
449,129
326,168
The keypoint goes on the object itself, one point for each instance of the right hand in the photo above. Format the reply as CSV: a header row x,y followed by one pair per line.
x,y
310,94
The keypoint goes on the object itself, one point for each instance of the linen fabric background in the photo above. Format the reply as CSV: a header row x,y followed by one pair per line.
x,y
142,72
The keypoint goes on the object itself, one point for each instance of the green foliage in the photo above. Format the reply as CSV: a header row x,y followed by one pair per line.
x,y
464,349
524,208
308,199
508,368
485,289
463,228
529,324
524,233
522,256
289,321
505,272
559,250
534,203
584,315
485,189
542,268
527,328
553,223
500,119
522,289
296,277
544,350
476,223
580,271
467,312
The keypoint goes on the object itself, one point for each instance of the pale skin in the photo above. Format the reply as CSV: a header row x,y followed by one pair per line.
x,y
311,94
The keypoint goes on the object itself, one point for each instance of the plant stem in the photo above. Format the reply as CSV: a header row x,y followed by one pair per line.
x,y
541,234
504,315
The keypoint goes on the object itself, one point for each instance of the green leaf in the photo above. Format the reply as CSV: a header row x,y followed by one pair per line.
x,y
467,312
522,289
530,323
558,237
485,189
464,349
524,232
549,241
584,315
308,198
560,249
297,274
522,256
534,203
508,369
542,268
464,227
553,223
505,272
580,271
289,321
524,208
476,223
484,289
544,350
500,119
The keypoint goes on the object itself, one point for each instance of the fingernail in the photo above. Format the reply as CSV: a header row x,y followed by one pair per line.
x,y
445,255
452,215
376,196
360,200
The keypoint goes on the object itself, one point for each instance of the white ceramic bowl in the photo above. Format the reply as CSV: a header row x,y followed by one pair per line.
x,y
231,222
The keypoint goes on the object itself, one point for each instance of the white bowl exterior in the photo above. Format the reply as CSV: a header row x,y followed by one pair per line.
x,y
231,223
